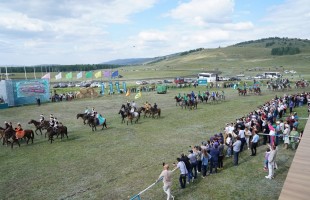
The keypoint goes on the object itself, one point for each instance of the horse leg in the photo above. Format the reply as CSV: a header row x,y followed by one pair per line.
x,y
36,131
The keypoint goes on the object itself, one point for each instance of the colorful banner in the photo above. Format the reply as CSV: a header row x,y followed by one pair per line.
x,y
127,93
46,76
98,74
89,74
107,74
31,88
79,75
58,76
115,74
117,87
124,87
138,95
69,75
111,87
102,89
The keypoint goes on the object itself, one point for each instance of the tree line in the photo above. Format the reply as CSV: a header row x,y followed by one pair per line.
x,y
58,68
279,51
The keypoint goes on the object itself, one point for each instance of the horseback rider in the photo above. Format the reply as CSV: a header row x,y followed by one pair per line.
x,y
93,112
147,106
192,95
41,118
133,105
19,127
155,107
179,96
185,98
7,125
128,104
52,121
56,124
87,112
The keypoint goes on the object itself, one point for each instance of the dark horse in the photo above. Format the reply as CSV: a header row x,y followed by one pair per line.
x,y
84,116
39,126
123,115
192,104
177,100
155,112
257,91
10,134
61,130
92,121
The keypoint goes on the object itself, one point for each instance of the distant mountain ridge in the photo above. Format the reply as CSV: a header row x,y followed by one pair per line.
x,y
140,61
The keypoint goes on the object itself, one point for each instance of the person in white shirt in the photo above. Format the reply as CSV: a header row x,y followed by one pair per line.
x,y
183,172
167,180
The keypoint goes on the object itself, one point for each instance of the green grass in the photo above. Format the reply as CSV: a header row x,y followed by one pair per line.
x,y
120,161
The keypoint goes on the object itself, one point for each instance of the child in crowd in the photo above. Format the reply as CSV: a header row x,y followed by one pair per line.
x,y
266,159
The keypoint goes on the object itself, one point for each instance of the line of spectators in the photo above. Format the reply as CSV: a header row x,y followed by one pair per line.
x,y
268,120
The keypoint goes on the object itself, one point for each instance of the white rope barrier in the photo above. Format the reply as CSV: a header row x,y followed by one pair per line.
x,y
137,196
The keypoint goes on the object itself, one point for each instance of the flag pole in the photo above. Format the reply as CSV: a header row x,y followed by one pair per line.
x,y
6,72
25,72
34,72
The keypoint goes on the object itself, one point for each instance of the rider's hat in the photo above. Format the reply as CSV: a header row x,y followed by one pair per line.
x,y
18,123
41,115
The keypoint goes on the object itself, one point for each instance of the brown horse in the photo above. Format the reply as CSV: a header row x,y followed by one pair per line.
x,y
92,121
10,137
178,100
242,92
84,116
29,134
39,126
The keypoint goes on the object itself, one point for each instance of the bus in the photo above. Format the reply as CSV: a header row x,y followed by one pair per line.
x,y
204,78
272,75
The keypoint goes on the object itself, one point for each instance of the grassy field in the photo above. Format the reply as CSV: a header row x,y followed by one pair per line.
x,y
120,161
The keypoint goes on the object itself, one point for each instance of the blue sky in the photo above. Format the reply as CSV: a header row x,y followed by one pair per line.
x,y
36,32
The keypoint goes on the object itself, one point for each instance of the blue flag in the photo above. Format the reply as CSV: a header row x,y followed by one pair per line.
x,y
115,74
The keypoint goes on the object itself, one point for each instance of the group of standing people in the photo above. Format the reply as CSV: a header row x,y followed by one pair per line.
x,y
268,121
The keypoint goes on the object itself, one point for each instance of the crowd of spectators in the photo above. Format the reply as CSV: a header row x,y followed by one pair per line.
x,y
271,123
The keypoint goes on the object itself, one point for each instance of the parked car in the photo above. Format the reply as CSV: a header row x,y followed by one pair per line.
x,y
56,85
234,79
168,81
259,76
71,85
63,85
95,84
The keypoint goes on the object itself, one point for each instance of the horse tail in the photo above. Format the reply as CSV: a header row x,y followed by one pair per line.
x,y
159,110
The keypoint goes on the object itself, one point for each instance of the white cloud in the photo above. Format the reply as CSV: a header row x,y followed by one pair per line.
x,y
202,12
239,26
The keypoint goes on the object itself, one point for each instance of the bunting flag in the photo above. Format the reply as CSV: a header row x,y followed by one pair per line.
x,y
89,74
46,76
107,74
124,87
115,74
79,75
98,74
69,75
128,93
58,76
138,95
